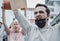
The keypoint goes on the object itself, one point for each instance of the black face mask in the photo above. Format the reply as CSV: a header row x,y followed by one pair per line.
x,y
40,23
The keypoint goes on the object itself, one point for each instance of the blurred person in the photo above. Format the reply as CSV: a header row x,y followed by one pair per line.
x,y
1,30
14,33
41,31
4,36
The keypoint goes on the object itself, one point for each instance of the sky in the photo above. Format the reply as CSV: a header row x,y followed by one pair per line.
x,y
9,13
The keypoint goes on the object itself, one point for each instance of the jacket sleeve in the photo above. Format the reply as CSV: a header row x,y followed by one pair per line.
x,y
22,20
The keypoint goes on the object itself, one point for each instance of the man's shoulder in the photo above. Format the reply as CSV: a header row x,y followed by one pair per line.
x,y
34,27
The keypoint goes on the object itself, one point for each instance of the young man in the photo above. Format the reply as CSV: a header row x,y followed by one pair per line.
x,y
41,31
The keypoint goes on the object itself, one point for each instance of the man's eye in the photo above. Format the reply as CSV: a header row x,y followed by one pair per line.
x,y
41,12
14,24
35,12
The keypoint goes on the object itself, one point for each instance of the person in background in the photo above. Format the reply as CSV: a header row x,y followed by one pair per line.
x,y
15,32
41,31
4,36
1,30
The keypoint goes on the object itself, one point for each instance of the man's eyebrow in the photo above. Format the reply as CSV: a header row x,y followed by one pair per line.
x,y
41,11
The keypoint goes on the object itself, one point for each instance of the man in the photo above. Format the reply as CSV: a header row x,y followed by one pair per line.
x,y
41,31
1,30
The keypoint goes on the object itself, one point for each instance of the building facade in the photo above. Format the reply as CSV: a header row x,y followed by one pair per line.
x,y
54,6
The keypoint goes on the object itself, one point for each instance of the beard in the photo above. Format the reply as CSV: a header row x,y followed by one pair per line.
x,y
40,23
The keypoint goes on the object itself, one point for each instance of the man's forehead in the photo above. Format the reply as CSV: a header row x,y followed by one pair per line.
x,y
40,8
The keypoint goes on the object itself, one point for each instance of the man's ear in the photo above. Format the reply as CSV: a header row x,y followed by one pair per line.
x,y
47,18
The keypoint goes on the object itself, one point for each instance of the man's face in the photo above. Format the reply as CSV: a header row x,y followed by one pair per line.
x,y
40,13
40,16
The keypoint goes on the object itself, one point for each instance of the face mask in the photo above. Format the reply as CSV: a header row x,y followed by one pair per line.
x,y
40,23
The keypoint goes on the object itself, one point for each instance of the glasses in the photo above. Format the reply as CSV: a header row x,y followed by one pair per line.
x,y
39,12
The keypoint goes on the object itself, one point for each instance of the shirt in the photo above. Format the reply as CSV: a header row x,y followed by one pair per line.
x,y
15,36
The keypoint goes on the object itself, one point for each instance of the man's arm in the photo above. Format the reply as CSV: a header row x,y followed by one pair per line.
x,y
22,20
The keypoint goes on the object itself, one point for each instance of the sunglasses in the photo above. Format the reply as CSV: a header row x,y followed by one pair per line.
x,y
39,12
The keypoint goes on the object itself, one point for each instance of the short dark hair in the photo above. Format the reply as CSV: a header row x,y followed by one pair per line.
x,y
47,9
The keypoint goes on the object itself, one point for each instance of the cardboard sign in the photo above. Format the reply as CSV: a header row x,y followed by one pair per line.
x,y
18,4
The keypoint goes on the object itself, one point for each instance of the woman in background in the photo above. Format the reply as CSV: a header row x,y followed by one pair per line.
x,y
15,33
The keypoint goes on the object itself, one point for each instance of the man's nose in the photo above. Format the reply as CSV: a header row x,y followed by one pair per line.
x,y
38,17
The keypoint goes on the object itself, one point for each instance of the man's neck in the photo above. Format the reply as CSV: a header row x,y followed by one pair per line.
x,y
44,26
